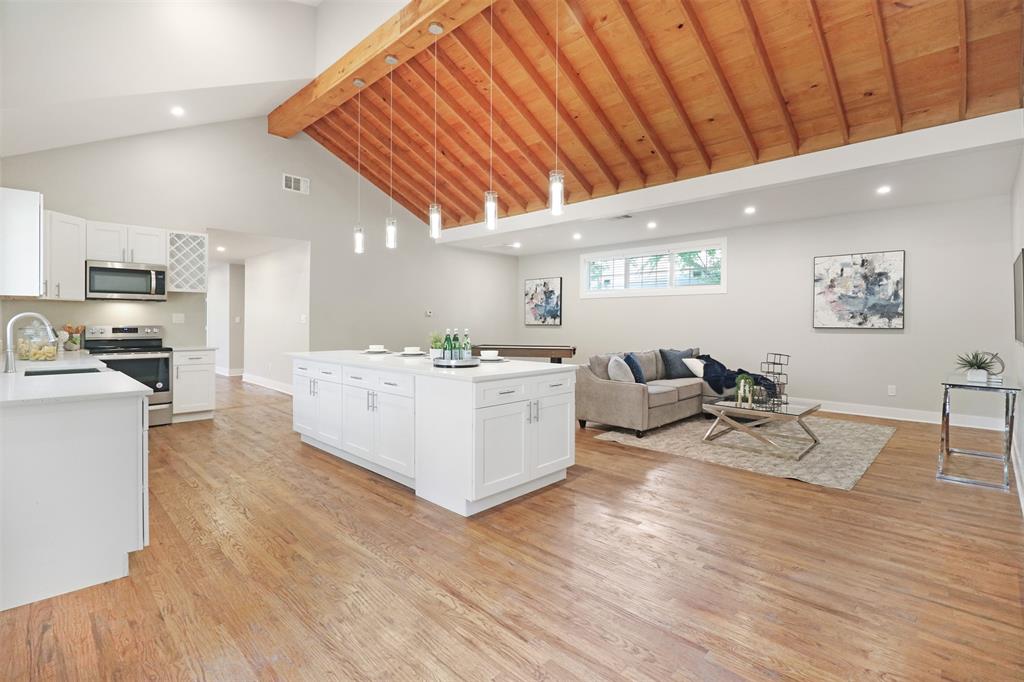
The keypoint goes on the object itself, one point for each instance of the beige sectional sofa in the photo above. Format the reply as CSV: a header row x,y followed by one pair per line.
x,y
637,406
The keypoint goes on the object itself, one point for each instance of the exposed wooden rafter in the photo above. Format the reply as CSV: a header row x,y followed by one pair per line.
x,y
403,35
890,76
830,70
961,7
769,74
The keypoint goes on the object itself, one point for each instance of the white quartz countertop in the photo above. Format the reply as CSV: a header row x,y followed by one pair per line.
x,y
422,366
192,349
18,389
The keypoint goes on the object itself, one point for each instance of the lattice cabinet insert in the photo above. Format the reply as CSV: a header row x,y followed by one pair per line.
x,y
188,262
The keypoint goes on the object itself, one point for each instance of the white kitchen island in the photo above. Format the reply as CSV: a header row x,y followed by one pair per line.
x,y
466,439
73,478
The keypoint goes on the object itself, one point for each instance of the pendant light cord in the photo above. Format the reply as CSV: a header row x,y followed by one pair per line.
x,y
490,92
359,158
556,84
391,158
435,120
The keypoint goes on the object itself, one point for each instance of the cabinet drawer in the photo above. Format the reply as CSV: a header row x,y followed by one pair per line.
x,y
397,384
554,385
355,376
194,357
329,373
304,368
502,393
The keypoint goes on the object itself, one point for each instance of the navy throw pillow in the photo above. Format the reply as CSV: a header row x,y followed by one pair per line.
x,y
634,367
675,368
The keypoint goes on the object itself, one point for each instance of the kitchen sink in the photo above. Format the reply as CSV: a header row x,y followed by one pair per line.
x,y
48,372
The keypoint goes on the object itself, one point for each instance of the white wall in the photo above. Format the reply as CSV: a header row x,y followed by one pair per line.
x,y
277,314
228,176
958,298
341,24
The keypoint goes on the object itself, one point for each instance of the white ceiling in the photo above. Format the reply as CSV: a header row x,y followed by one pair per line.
x,y
80,71
239,246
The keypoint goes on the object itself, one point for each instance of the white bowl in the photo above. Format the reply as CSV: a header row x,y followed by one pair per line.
x,y
489,354
376,346
411,349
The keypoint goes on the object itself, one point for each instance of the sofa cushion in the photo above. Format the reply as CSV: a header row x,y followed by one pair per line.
x,y
634,367
618,370
709,393
650,363
686,388
599,364
672,360
661,395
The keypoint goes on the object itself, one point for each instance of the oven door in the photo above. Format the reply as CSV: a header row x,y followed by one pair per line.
x,y
125,281
151,369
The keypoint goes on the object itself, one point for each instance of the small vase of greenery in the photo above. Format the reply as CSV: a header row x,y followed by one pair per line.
x,y
977,364
436,345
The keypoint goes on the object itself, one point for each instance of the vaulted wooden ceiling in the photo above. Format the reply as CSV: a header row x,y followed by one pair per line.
x,y
649,91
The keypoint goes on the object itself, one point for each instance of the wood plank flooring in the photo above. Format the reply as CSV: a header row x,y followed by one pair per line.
x,y
272,560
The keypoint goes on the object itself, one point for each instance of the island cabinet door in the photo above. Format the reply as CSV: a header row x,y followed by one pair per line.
x,y
357,422
555,426
503,448
394,433
329,410
303,405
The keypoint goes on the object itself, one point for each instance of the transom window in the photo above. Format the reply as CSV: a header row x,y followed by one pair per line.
x,y
669,269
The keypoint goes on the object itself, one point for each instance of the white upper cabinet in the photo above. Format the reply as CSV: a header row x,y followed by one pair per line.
x,y
127,243
64,256
106,241
21,235
188,262
147,245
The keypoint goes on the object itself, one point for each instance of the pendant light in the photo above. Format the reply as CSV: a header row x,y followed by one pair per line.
x,y
357,232
490,196
556,181
391,225
434,211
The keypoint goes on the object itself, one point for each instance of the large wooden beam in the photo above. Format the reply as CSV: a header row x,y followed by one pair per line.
x,y
830,70
769,75
961,7
403,35
605,59
890,76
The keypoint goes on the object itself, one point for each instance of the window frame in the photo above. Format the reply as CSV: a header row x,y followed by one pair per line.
x,y
669,249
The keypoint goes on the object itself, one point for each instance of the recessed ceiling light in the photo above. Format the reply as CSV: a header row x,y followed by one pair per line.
x,y
884,189
391,59
750,210
359,83
221,249
177,111
577,236
435,28
651,225
515,245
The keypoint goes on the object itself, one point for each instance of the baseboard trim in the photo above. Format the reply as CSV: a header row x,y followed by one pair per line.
x,y
225,372
278,386
903,414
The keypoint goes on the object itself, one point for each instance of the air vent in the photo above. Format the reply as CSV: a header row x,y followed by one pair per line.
x,y
624,216
293,183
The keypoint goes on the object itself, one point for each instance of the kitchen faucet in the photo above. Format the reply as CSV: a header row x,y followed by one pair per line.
x,y
9,341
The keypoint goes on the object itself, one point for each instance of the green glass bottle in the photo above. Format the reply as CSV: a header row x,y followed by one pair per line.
x,y
446,351
467,347
456,346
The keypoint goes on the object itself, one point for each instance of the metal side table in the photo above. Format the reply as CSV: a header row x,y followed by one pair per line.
x,y
1010,392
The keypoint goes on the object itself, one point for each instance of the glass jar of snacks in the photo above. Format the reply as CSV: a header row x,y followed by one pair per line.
x,y
33,344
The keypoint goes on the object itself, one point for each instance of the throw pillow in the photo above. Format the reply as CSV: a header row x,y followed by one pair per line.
x,y
675,368
634,367
618,370
696,366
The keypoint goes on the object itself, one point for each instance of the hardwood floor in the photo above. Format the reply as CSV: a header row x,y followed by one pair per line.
x,y
272,560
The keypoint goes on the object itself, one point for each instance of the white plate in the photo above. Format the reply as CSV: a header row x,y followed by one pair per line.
x,y
376,352
497,359
412,355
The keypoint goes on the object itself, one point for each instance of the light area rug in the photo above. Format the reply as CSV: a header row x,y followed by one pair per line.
x,y
846,450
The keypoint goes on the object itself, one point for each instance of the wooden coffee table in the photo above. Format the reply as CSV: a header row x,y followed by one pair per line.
x,y
726,412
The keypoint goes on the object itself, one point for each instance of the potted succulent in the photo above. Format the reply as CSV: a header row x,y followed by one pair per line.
x,y
977,364
436,345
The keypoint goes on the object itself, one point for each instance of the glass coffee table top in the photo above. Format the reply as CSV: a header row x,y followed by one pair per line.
x,y
794,408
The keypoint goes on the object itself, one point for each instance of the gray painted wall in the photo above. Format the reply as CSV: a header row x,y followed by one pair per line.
x,y
228,176
959,297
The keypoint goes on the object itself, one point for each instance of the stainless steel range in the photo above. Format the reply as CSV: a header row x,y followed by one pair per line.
x,y
139,352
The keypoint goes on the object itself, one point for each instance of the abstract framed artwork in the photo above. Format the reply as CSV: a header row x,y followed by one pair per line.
x,y
542,302
859,290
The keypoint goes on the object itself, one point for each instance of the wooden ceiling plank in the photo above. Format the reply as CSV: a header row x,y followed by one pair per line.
x,y
961,7
690,17
404,35
414,166
523,62
517,103
890,75
566,70
513,197
377,113
830,71
594,41
769,75
481,101
664,81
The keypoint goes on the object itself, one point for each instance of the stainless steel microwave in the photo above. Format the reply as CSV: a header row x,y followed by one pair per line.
x,y
125,281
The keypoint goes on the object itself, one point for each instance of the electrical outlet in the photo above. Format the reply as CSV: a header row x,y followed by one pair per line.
x,y
428,313
303,318
892,389
237,319
177,318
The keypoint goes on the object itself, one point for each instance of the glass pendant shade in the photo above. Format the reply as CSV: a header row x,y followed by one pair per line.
x,y
556,192
491,209
435,221
357,239
391,233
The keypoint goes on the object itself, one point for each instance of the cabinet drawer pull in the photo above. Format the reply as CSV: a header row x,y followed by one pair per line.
x,y
324,371
390,383
304,369
195,357
508,392
554,385
357,378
